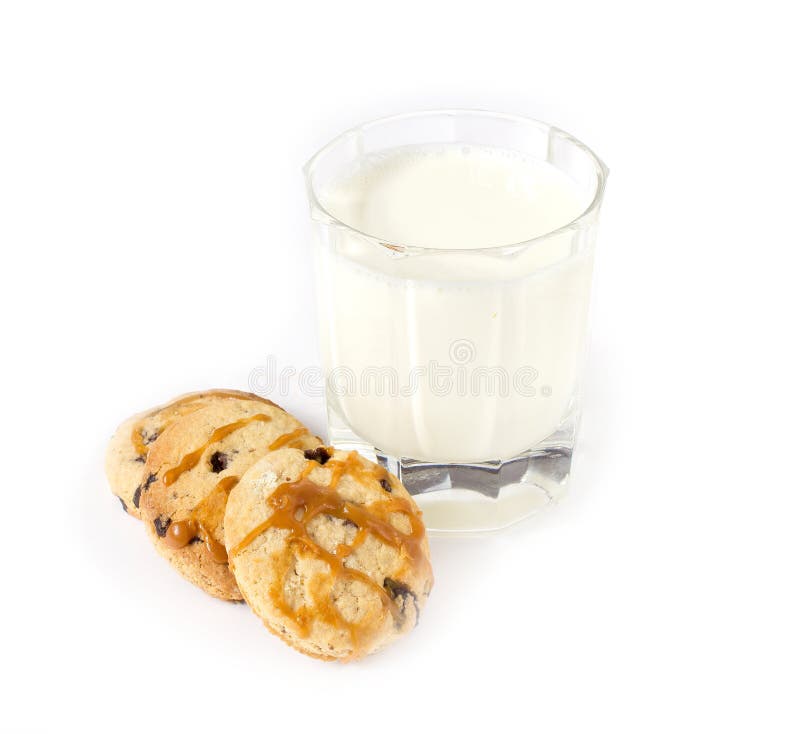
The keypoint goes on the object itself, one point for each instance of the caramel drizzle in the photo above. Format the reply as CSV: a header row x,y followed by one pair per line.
x,y
140,447
208,514
288,438
304,499
189,461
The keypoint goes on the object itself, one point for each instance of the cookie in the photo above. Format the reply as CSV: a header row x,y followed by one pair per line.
x,y
329,550
130,444
189,471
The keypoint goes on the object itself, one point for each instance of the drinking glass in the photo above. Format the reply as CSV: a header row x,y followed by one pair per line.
x,y
457,369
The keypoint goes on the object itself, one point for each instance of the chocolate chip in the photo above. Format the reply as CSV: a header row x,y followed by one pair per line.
x,y
385,484
196,539
396,588
161,524
122,502
320,454
218,461
137,495
149,439
402,594
141,458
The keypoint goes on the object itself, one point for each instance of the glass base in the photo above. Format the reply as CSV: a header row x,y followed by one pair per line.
x,y
479,497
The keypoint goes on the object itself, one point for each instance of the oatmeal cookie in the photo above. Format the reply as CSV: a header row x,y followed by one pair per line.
x,y
189,472
329,550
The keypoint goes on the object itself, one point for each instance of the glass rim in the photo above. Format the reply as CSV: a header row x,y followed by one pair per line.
x,y
601,172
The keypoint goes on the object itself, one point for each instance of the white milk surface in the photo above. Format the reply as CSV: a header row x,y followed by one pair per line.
x,y
452,356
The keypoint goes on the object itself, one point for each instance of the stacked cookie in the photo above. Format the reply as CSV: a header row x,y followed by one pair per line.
x,y
327,548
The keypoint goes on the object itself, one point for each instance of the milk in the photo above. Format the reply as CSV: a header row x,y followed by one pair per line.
x,y
459,353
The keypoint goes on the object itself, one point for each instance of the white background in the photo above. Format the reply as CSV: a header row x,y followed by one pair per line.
x,y
154,240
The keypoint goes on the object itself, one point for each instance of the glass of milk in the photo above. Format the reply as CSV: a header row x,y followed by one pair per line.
x,y
453,254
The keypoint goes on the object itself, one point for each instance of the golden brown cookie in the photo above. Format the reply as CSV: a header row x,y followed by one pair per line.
x,y
130,444
190,470
329,550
